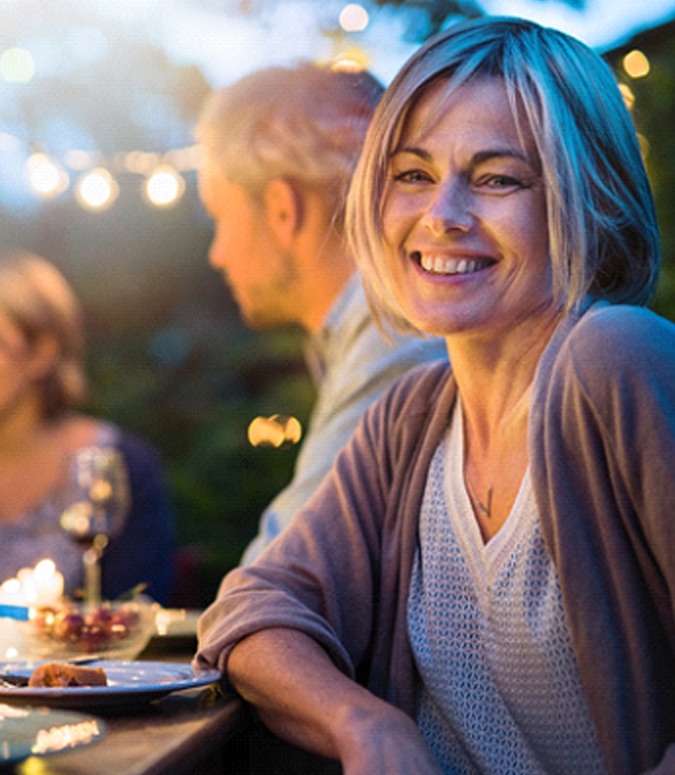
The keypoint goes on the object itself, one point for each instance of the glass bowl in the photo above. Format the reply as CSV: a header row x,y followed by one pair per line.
x,y
76,630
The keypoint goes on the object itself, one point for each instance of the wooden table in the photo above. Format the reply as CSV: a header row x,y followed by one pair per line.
x,y
181,734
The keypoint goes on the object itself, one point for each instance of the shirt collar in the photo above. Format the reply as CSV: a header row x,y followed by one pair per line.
x,y
317,347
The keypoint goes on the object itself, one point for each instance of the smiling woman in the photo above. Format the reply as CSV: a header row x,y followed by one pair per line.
x,y
437,606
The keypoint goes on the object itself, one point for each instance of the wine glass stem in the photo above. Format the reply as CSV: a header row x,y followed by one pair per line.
x,y
92,575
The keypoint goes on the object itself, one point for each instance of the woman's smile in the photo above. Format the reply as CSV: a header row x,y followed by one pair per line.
x,y
439,264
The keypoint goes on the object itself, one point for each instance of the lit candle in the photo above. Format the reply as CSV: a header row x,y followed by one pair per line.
x,y
32,588
45,585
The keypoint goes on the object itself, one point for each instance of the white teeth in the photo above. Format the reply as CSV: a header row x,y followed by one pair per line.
x,y
440,265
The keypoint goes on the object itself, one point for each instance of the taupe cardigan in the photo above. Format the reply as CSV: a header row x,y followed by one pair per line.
x,y
602,452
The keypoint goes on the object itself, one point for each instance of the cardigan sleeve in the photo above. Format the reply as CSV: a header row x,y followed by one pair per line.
x,y
602,434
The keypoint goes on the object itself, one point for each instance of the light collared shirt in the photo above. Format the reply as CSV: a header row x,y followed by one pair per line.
x,y
352,364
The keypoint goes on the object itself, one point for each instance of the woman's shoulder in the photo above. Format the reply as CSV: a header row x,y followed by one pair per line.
x,y
611,333
612,350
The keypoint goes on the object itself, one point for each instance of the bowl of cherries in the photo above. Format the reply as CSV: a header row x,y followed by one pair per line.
x,y
108,630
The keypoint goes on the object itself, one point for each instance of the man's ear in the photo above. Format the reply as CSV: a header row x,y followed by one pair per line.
x,y
283,206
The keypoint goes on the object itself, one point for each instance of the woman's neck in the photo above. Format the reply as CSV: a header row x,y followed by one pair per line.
x,y
495,376
22,431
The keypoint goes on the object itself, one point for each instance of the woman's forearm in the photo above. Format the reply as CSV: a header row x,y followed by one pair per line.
x,y
296,689
302,697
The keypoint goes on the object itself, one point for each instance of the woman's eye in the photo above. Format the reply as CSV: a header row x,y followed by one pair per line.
x,y
502,181
499,182
410,176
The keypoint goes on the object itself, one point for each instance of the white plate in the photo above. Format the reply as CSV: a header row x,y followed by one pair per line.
x,y
128,682
28,732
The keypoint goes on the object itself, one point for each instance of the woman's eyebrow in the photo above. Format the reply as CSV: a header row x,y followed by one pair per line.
x,y
414,151
499,153
478,158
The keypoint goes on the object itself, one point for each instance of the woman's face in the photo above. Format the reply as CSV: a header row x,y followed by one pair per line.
x,y
20,368
464,215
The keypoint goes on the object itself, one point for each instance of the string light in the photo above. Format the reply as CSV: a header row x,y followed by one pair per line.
x,y
164,187
45,176
96,189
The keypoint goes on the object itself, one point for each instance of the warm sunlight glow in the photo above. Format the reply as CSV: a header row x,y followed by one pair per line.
x,y
352,60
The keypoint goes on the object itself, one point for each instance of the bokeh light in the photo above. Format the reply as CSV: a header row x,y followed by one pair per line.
x,y
636,64
46,177
164,187
279,430
17,65
627,94
353,18
97,190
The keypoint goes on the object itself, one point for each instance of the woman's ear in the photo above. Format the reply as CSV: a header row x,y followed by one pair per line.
x,y
283,206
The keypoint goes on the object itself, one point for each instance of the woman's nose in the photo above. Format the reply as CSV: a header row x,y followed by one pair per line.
x,y
449,210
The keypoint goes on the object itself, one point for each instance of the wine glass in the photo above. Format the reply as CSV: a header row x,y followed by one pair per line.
x,y
96,499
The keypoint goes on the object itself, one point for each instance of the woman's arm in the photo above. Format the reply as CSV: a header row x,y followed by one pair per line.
x,y
302,697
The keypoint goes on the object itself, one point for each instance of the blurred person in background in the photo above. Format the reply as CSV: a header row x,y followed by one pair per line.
x,y
278,151
42,389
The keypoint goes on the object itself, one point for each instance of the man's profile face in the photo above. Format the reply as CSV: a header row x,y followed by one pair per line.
x,y
262,278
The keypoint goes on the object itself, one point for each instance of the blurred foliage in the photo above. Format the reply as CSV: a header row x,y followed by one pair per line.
x,y
654,116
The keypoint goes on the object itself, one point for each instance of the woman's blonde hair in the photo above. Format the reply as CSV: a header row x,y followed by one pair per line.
x,y
38,300
603,235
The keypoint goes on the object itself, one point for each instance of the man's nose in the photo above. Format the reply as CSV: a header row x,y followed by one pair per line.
x,y
217,254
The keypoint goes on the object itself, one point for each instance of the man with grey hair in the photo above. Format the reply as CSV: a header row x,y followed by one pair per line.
x,y
278,151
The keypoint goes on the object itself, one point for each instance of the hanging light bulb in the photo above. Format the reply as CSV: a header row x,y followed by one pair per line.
x,y
96,189
46,177
164,187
